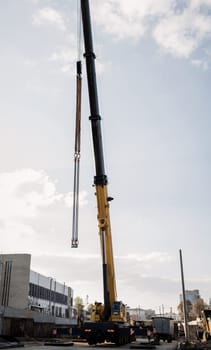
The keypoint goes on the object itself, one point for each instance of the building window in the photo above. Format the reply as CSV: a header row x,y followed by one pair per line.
x,y
46,294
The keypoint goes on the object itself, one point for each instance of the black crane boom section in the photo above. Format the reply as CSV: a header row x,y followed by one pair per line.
x,y
100,178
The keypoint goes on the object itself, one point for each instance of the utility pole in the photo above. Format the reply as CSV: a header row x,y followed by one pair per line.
x,y
163,310
184,299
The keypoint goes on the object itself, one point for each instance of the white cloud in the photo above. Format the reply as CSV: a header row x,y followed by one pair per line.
x,y
136,9
173,35
31,209
149,281
195,4
64,51
110,16
135,284
129,19
24,191
151,257
65,58
65,55
68,199
201,64
182,34
49,16
177,30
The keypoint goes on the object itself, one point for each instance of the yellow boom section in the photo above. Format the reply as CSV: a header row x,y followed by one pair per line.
x,y
105,239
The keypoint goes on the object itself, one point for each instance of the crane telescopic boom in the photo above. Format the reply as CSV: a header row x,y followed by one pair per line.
x,y
108,320
100,179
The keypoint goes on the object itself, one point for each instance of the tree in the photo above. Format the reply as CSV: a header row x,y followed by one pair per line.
x,y
180,309
198,306
78,304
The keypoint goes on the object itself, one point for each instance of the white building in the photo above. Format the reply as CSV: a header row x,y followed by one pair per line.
x,y
24,289
138,314
191,295
49,296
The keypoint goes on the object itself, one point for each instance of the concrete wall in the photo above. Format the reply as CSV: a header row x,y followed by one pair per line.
x,y
22,323
16,278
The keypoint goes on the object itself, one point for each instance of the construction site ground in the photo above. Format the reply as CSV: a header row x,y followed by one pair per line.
x,y
140,343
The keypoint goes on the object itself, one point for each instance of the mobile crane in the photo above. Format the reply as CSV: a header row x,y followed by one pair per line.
x,y
108,320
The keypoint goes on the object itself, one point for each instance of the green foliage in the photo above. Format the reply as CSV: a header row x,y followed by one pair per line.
x,y
79,305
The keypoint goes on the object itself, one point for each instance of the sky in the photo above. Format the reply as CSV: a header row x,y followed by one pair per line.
x,y
153,64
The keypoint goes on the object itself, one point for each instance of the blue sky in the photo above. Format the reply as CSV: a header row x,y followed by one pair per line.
x,y
153,71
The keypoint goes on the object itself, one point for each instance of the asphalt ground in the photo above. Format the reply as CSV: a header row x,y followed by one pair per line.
x,y
138,344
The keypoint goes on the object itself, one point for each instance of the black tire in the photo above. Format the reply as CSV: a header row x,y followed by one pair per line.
x,y
169,339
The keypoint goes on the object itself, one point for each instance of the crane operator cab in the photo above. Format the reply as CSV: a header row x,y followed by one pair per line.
x,y
118,312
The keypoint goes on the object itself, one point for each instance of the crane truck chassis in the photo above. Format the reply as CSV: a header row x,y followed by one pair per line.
x,y
112,332
108,320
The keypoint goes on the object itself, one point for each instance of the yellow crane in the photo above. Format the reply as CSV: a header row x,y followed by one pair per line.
x,y
108,319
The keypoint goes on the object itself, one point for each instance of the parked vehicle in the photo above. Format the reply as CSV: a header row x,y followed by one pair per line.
x,y
164,328
140,328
